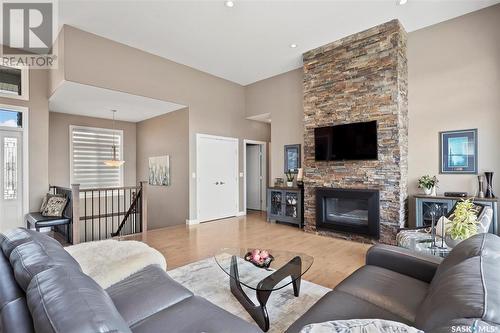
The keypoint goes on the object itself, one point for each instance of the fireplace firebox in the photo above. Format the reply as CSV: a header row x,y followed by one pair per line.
x,y
350,211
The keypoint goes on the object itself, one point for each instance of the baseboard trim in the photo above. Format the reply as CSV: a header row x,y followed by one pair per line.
x,y
191,222
241,213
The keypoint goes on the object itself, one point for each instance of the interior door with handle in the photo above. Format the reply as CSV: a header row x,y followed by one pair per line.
x,y
217,193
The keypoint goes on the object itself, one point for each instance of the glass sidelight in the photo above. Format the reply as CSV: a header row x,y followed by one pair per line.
x,y
10,168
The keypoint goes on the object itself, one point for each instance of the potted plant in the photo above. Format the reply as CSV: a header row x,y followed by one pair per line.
x,y
463,223
289,178
428,184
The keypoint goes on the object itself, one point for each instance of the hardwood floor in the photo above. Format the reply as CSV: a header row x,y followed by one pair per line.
x,y
334,259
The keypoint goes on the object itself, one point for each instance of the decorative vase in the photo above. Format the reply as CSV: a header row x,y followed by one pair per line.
x,y
289,184
427,191
489,184
480,185
433,191
452,242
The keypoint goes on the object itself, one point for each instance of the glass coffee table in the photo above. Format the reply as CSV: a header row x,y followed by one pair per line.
x,y
286,268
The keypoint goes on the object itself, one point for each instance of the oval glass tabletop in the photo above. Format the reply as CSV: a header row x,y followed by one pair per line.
x,y
233,263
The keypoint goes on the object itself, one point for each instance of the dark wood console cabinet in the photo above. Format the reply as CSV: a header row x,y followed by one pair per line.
x,y
286,204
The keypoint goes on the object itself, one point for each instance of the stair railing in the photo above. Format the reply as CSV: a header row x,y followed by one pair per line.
x,y
101,213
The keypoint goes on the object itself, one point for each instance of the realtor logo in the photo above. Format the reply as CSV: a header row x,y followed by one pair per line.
x,y
27,28
27,34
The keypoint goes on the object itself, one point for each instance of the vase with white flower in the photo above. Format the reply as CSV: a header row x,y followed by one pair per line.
x,y
289,178
428,184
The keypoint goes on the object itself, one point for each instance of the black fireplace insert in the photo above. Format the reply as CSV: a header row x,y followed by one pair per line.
x,y
351,211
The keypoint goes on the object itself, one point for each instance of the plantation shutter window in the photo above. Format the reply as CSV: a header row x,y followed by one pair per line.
x,y
90,147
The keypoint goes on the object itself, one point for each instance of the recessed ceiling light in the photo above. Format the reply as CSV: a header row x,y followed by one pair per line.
x,y
293,46
229,4
402,2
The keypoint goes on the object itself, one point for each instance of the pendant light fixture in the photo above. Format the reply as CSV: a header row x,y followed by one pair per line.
x,y
114,162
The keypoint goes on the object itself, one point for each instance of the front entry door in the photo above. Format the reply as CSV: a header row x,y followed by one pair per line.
x,y
11,178
217,164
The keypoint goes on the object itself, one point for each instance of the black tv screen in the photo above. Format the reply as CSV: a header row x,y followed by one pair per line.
x,y
356,141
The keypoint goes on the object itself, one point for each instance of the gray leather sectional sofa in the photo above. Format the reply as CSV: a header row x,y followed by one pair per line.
x,y
43,290
458,294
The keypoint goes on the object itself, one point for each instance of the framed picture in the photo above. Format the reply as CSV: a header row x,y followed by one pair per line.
x,y
458,152
159,170
292,158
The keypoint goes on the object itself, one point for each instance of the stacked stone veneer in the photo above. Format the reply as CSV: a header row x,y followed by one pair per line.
x,y
360,78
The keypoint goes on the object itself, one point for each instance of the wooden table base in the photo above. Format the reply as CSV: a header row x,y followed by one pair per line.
x,y
264,288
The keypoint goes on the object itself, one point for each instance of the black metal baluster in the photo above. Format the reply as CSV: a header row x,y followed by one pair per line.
x,y
124,203
85,215
112,210
99,219
106,211
92,214
118,214
132,219
140,210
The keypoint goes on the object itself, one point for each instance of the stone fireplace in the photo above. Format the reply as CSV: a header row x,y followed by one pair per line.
x,y
360,78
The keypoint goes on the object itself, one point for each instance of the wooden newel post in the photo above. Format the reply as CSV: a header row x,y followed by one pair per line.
x,y
75,195
144,207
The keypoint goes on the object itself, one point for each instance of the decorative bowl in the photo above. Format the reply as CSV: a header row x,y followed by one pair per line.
x,y
254,258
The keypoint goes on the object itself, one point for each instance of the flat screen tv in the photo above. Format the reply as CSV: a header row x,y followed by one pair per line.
x,y
356,141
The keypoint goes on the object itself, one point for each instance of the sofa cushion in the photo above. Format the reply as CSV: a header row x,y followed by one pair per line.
x,y
15,317
337,305
465,285
66,300
146,292
13,238
44,239
31,258
377,285
194,314
359,326
9,289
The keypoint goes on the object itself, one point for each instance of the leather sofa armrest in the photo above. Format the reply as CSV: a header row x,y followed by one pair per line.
x,y
403,261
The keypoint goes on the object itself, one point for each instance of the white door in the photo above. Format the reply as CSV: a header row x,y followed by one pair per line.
x,y
11,171
254,176
217,174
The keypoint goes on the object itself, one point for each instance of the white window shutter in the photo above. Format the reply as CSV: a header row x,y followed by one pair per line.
x,y
90,147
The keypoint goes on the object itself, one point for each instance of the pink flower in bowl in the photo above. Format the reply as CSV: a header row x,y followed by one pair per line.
x,y
255,251
264,254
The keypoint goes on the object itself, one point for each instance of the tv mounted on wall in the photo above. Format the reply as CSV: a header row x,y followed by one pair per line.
x,y
355,141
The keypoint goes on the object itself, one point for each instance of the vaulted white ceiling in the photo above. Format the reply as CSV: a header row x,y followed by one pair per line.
x,y
250,41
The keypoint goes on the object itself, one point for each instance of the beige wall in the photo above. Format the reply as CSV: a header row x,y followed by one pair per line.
x,y
166,135
59,159
38,133
216,106
281,96
454,83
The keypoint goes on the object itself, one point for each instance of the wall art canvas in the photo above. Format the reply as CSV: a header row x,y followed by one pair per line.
x,y
458,152
159,170
292,158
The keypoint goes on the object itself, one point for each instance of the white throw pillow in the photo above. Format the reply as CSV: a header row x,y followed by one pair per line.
x,y
359,326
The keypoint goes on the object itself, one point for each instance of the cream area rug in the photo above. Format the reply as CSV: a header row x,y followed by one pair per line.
x,y
110,261
206,279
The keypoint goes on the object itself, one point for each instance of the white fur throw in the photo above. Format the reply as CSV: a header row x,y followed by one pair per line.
x,y
110,261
